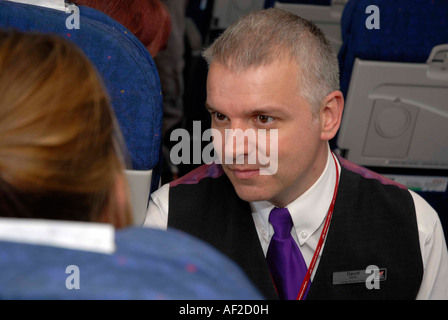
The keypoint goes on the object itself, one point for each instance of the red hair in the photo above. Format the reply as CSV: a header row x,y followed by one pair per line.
x,y
148,20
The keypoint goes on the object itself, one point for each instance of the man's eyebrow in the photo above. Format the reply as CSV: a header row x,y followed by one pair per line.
x,y
261,111
268,110
209,107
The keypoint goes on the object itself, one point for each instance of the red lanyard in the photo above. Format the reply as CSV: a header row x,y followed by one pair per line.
x,y
322,236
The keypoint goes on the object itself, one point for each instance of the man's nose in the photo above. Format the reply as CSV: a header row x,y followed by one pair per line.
x,y
240,142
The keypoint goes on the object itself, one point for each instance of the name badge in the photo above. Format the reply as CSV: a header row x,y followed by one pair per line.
x,y
357,276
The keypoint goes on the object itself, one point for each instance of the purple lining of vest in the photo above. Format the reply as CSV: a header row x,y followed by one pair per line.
x,y
215,171
205,171
368,174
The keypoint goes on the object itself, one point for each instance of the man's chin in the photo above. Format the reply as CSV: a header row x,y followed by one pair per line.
x,y
251,193
249,186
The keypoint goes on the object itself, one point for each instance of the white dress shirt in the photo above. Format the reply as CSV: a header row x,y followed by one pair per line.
x,y
307,227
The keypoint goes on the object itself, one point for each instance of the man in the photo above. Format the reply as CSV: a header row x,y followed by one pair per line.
x,y
274,72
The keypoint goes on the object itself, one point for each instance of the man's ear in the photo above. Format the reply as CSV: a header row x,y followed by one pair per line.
x,y
331,115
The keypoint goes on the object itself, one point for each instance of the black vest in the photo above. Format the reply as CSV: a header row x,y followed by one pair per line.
x,y
372,224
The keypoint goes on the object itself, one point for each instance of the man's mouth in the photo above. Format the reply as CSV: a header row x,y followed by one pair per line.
x,y
244,172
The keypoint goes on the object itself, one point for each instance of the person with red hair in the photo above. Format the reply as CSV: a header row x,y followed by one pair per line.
x,y
148,20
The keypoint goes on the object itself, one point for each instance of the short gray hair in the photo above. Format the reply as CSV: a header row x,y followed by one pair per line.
x,y
264,36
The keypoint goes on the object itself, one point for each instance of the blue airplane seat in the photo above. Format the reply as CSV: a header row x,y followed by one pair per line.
x,y
129,74
408,31
142,264
325,14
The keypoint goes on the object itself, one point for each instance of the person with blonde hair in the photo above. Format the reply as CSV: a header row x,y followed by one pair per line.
x,y
65,220
59,147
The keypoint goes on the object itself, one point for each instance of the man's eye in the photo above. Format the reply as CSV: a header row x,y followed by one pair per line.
x,y
220,116
264,119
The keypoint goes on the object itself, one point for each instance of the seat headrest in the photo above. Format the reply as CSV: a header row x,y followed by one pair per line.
x,y
407,33
127,69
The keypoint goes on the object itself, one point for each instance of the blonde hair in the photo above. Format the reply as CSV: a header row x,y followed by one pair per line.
x,y
263,36
59,154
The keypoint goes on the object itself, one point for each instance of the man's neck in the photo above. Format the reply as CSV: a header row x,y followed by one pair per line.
x,y
318,169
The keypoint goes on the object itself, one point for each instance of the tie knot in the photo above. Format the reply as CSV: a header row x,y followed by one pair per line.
x,y
281,221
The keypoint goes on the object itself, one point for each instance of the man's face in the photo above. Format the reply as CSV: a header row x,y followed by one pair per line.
x,y
267,97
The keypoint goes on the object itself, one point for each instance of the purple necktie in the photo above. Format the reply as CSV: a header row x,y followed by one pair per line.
x,y
286,263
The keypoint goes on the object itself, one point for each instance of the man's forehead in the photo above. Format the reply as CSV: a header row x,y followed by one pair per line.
x,y
231,65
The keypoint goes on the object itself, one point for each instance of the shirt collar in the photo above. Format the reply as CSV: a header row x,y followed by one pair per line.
x,y
309,210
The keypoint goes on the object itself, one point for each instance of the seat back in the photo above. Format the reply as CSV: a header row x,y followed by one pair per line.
x,y
130,77
226,12
326,14
68,260
395,84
